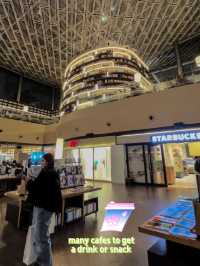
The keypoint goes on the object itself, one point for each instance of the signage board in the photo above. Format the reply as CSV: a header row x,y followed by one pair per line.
x,y
185,136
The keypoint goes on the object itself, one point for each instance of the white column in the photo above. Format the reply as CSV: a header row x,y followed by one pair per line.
x,y
118,164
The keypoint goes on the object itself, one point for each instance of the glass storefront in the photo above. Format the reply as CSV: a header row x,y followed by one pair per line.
x,y
136,163
102,163
72,156
163,164
29,149
96,162
145,164
8,151
157,165
179,160
86,159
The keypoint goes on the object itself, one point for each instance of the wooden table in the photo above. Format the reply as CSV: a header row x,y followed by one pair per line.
x,y
5,177
66,194
75,192
194,243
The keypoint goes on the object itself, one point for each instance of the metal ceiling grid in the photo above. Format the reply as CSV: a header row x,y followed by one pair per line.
x,y
39,37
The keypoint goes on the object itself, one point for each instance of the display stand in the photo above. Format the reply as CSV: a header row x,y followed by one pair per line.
x,y
180,246
74,198
70,173
167,253
19,212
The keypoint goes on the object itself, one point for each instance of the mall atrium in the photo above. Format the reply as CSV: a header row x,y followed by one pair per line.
x,y
111,89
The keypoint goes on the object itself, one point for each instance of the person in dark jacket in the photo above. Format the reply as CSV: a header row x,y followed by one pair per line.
x,y
46,198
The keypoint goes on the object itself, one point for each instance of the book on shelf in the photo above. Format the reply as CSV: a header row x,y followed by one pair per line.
x,y
71,176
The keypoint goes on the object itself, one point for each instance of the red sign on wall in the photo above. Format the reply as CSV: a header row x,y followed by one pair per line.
x,y
72,143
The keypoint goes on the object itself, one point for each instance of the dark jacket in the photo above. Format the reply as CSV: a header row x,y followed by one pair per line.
x,y
45,191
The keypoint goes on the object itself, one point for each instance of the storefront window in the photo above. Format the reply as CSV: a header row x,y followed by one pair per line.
x,y
86,158
49,149
72,156
157,165
7,152
30,149
96,162
179,161
102,163
136,163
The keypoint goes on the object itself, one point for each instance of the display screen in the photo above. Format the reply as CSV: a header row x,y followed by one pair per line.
x,y
36,157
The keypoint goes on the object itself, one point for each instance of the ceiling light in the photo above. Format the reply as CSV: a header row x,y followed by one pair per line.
x,y
197,60
137,77
104,19
25,108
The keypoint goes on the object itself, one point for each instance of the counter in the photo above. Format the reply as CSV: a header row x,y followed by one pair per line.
x,y
174,225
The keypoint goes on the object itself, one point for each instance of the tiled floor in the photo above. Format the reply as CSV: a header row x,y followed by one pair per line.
x,y
148,201
188,181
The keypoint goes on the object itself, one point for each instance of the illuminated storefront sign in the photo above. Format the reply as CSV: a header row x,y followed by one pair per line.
x,y
176,137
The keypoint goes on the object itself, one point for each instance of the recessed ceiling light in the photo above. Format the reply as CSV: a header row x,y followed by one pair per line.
x,y
104,19
137,77
25,108
197,60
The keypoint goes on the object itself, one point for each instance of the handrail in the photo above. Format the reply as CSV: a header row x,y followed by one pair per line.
x,y
32,109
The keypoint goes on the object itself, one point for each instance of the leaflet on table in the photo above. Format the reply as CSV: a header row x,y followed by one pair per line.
x,y
162,223
189,224
183,232
190,215
178,209
180,213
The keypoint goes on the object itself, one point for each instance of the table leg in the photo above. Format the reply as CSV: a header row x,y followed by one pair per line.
x,y
19,215
63,212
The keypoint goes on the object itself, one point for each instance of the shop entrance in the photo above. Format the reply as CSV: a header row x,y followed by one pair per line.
x,y
179,163
145,164
170,164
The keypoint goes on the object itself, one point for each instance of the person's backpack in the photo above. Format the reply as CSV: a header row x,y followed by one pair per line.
x,y
197,166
